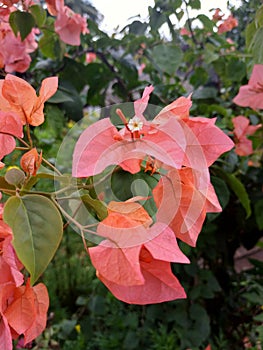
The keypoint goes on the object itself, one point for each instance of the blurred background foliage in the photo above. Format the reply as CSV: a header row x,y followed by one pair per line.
x,y
224,307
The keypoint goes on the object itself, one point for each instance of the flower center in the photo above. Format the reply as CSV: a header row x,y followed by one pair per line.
x,y
258,87
135,124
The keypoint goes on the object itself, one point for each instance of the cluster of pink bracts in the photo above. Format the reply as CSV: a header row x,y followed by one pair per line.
x,y
133,260
15,53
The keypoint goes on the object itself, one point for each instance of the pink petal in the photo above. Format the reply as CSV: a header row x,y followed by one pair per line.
x,y
41,302
8,144
10,123
100,146
205,142
163,245
5,334
160,285
20,95
179,108
256,75
244,147
240,126
20,314
183,197
120,266
48,88
141,104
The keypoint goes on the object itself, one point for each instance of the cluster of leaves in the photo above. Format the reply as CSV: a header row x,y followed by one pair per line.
x,y
223,306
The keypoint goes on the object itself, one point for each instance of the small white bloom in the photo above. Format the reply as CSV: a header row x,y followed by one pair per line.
x,y
135,124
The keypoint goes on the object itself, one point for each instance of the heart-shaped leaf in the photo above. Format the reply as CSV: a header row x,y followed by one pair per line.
x,y
37,227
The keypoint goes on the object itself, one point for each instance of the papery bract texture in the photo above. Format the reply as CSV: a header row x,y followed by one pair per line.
x,y
31,161
10,126
241,130
25,309
184,197
160,284
122,260
251,95
18,96
102,145
70,25
14,53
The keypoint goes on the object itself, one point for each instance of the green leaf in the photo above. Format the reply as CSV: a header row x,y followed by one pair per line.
x,y
195,4
49,44
137,27
15,176
221,190
157,19
258,213
205,93
199,77
75,72
236,69
167,57
95,205
6,187
209,53
60,97
259,17
240,191
125,185
238,188
257,50
250,32
207,23
73,109
39,14
21,22
37,228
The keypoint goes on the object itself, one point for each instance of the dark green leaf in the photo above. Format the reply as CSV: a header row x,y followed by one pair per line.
x,y
21,22
238,188
207,23
137,27
259,213
195,4
221,190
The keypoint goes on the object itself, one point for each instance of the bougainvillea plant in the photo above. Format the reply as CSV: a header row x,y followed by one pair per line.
x,y
131,243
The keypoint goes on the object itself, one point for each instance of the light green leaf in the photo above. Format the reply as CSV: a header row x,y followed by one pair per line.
x,y
39,14
96,205
37,228
207,23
